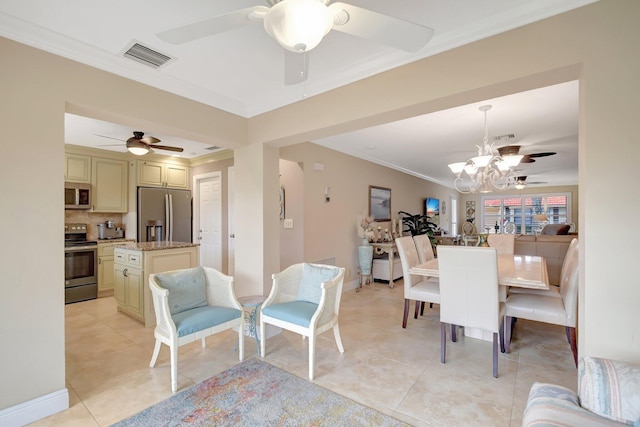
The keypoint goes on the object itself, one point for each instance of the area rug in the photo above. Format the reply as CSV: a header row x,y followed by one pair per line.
x,y
254,393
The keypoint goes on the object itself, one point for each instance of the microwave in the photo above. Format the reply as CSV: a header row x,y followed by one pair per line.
x,y
77,195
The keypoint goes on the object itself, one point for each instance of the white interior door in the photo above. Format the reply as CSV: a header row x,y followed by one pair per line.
x,y
230,221
209,219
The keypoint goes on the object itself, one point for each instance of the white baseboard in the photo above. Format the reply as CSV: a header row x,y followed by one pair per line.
x,y
35,409
350,286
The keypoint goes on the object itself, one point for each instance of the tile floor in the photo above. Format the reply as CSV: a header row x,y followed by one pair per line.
x,y
396,371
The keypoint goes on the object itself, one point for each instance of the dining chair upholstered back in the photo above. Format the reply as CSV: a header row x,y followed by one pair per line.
x,y
416,288
553,291
561,311
504,243
469,292
424,248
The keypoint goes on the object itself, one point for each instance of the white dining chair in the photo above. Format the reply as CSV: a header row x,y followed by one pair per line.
x,y
425,253
548,309
469,294
416,288
554,290
504,243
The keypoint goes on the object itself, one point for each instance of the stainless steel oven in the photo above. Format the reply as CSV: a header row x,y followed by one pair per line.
x,y
80,264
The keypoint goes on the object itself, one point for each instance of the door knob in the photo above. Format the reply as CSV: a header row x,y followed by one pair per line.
x,y
233,236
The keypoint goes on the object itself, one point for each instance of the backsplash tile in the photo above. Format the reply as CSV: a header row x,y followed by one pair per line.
x,y
92,219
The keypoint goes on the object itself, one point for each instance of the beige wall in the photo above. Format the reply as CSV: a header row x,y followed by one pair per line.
x,y
330,229
596,44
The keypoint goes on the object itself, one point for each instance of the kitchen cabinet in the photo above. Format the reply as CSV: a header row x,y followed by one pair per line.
x,y
106,276
134,262
159,174
109,180
77,168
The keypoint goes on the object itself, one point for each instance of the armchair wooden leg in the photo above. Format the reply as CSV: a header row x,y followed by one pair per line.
x,y
443,341
156,351
406,312
454,333
336,334
574,344
422,309
241,343
501,337
263,339
495,355
174,368
312,354
415,315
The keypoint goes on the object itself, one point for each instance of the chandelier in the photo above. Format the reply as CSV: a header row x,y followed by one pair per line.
x,y
488,171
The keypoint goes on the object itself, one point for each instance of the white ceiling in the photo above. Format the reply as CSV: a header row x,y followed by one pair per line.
x,y
242,71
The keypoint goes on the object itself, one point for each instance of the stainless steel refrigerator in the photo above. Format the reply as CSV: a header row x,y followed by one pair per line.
x,y
170,207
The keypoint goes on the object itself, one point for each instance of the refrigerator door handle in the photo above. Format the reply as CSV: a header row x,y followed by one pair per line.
x,y
171,217
167,217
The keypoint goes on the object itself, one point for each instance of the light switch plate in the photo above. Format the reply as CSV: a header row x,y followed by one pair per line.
x,y
288,223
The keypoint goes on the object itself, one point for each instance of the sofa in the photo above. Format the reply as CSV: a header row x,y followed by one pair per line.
x,y
608,395
552,247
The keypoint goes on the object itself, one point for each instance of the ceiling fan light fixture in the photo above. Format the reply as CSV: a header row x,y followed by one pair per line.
x,y
298,25
137,147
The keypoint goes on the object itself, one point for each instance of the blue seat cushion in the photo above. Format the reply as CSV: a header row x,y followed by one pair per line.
x,y
312,277
187,288
199,318
296,312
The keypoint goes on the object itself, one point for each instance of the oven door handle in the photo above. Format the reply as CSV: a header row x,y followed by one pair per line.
x,y
80,248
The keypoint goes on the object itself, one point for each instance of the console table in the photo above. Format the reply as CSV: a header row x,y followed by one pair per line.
x,y
391,249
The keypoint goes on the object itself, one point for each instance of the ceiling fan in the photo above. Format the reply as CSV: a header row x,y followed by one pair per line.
x,y
528,158
140,144
521,182
300,25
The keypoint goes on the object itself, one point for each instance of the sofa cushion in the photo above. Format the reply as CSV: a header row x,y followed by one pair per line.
x,y
610,389
555,229
312,277
187,288
296,312
199,318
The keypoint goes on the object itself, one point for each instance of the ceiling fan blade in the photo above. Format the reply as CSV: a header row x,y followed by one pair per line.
x,y
296,67
384,29
527,159
208,27
543,154
149,140
167,147
109,137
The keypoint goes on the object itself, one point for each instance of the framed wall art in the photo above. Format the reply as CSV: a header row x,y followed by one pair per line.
x,y
432,210
380,203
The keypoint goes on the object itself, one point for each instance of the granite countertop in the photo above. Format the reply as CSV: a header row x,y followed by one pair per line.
x,y
115,240
155,246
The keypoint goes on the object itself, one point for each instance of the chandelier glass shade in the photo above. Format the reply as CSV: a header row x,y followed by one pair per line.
x,y
488,171
298,25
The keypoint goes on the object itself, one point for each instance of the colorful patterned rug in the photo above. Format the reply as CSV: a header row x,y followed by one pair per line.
x,y
254,393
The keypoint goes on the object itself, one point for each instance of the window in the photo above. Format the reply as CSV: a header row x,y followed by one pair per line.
x,y
454,215
527,212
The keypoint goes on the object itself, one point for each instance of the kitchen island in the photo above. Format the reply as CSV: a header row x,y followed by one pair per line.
x,y
134,262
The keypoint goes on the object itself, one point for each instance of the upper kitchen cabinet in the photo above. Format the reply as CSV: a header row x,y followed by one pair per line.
x,y
109,180
158,174
77,168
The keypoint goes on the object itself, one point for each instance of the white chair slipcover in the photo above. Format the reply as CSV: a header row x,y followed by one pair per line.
x,y
416,288
469,293
504,243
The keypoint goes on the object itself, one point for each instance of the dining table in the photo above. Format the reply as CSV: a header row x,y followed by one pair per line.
x,y
523,271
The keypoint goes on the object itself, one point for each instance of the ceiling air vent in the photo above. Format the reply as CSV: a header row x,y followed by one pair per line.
x,y
504,137
146,56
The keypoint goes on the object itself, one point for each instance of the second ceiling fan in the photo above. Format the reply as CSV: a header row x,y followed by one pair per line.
x,y
139,144
300,25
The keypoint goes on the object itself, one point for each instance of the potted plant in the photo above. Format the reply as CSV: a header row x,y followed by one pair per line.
x,y
419,224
